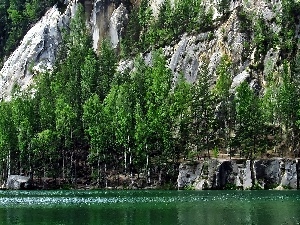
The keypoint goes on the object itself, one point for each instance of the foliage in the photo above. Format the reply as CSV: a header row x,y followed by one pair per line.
x,y
256,186
223,103
215,152
189,187
202,124
230,186
249,131
85,112
144,30
223,6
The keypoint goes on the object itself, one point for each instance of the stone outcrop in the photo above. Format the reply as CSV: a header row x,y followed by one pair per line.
x,y
17,182
37,51
236,173
108,19
118,20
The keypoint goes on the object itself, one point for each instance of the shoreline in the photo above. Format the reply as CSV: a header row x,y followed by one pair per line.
x,y
205,174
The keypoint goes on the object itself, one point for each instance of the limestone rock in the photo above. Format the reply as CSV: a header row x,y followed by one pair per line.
x,y
37,51
224,174
117,23
245,174
290,175
17,182
188,173
240,78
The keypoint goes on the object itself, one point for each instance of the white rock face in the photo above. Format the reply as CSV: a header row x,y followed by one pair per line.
x,y
100,20
117,22
155,5
107,21
37,51
193,51
188,173
240,78
246,176
290,176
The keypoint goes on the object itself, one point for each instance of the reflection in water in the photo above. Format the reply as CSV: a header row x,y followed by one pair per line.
x,y
149,207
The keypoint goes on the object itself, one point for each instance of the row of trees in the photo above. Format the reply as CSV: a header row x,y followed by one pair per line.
x,y
86,117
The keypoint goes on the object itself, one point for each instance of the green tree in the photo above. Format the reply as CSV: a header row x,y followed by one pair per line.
x,y
23,116
45,153
158,117
66,130
180,116
96,125
202,113
144,17
250,133
107,68
45,98
74,67
288,106
125,120
140,85
223,101
8,139
130,41
89,82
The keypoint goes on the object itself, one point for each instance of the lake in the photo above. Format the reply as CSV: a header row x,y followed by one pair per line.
x,y
149,207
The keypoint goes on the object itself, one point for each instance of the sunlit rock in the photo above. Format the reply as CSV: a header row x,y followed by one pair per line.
x,y
17,182
100,20
117,23
290,173
37,51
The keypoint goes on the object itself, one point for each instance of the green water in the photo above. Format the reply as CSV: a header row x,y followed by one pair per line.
x,y
149,207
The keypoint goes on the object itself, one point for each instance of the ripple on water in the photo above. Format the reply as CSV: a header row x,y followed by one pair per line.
x,y
50,198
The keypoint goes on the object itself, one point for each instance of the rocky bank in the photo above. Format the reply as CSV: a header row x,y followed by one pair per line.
x,y
279,173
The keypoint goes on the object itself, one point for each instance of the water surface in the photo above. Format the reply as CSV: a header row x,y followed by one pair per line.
x,y
149,207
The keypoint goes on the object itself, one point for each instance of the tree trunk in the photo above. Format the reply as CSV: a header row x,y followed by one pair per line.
x,y
105,171
252,172
71,167
148,170
252,161
63,165
8,163
75,173
208,153
98,169
125,161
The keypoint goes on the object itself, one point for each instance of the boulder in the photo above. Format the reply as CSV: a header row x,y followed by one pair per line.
x,y
18,182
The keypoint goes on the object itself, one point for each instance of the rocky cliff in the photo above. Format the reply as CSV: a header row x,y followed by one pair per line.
x,y
232,34
236,174
38,49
